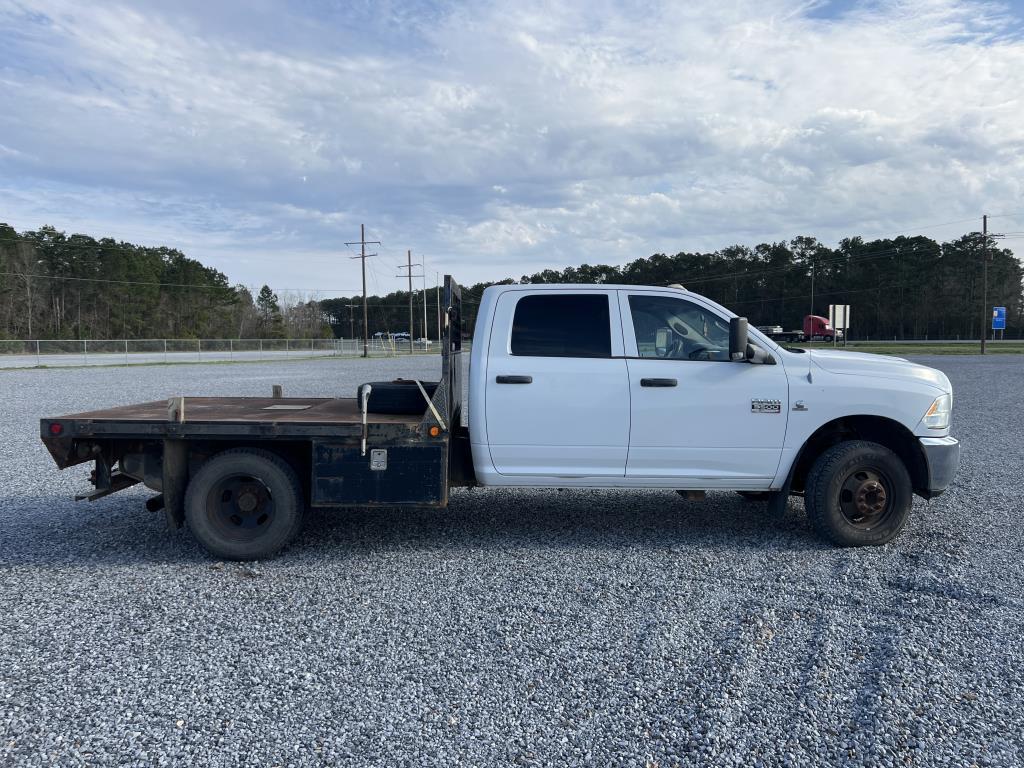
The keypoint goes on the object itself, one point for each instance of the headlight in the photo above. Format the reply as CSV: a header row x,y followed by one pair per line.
x,y
937,416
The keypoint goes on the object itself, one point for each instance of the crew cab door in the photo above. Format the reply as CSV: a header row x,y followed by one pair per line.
x,y
557,392
694,413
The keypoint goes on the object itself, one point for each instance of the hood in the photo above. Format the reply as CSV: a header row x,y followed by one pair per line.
x,y
879,367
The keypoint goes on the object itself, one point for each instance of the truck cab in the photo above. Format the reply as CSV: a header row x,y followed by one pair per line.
x,y
817,328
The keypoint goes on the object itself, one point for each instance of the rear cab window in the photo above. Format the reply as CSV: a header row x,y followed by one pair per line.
x,y
562,325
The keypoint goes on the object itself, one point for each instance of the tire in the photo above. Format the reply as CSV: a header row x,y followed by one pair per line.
x,y
398,397
858,494
244,504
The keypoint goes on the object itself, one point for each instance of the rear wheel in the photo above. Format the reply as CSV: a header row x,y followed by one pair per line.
x,y
244,504
858,494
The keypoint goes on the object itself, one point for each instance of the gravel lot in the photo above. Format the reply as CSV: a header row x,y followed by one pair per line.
x,y
518,627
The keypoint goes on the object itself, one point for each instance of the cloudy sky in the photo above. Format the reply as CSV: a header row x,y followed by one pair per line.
x,y
499,138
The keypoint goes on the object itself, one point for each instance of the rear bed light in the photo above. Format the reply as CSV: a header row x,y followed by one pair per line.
x,y
56,428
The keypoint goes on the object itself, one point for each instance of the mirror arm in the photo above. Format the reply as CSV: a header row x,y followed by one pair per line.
x,y
758,356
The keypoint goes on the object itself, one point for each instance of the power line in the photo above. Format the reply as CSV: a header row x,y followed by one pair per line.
x,y
928,226
856,258
162,285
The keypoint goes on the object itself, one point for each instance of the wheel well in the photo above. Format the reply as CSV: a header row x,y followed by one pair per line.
x,y
876,429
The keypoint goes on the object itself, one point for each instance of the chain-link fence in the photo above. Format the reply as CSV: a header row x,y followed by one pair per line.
x,y
22,353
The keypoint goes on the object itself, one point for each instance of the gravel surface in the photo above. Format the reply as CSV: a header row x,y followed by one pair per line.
x,y
516,628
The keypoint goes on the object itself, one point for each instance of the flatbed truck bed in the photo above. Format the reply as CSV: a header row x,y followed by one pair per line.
x,y
270,456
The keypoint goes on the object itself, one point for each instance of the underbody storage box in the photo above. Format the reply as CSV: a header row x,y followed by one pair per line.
x,y
387,475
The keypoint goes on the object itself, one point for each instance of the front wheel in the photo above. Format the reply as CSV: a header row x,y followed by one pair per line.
x,y
244,504
858,494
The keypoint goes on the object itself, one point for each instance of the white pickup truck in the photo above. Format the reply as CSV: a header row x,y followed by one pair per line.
x,y
576,386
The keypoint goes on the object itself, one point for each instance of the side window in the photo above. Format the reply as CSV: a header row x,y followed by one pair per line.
x,y
562,325
676,329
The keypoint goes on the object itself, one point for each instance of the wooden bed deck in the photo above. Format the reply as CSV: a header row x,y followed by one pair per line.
x,y
219,410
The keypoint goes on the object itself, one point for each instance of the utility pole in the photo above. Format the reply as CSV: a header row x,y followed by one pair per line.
x,y
426,336
363,255
437,283
408,266
984,281
351,320
408,261
810,336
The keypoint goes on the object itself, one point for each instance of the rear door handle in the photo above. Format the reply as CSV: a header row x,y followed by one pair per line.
x,y
658,382
513,379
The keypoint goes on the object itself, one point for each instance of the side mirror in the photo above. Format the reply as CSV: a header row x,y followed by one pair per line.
x,y
738,338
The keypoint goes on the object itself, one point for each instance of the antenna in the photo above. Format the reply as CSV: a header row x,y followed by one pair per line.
x,y
810,336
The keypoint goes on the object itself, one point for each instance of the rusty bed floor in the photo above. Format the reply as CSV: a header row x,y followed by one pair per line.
x,y
290,410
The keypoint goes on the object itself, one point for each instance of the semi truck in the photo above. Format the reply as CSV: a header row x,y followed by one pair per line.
x,y
815,328
570,386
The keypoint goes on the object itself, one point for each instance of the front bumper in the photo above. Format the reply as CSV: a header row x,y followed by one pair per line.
x,y
942,457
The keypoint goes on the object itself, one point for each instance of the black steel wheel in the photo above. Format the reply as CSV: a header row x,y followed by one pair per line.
x,y
858,494
244,504
865,498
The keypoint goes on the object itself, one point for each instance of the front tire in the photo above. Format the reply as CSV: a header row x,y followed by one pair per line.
x,y
244,504
858,494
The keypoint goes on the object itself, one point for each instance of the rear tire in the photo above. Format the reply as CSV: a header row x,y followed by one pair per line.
x,y
858,494
400,397
244,504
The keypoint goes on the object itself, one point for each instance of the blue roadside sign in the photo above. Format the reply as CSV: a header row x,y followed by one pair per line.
x,y
998,318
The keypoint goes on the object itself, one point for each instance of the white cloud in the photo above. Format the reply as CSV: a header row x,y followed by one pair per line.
x,y
506,137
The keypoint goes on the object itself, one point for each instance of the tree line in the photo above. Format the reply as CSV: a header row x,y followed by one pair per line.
x,y
57,286
902,288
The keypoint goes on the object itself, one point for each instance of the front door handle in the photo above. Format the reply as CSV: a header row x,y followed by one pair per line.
x,y
658,382
513,379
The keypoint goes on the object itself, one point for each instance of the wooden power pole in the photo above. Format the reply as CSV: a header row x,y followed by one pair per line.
x,y
351,320
984,281
408,267
408,261
363,256
426,335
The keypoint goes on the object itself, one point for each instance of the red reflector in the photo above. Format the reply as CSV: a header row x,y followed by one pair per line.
x,y
56,428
